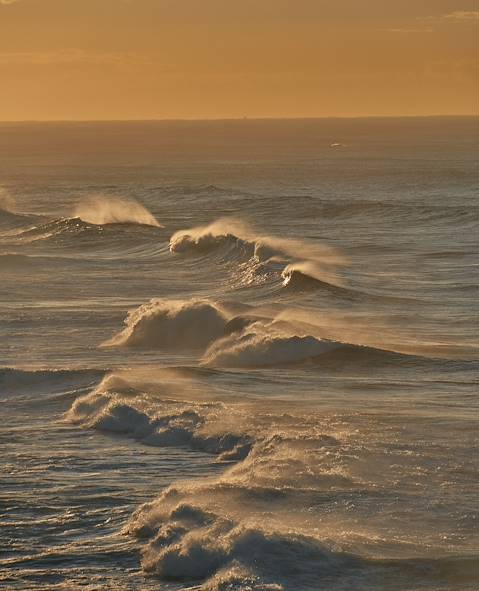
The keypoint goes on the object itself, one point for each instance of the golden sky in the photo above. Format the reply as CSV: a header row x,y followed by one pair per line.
x,y
144,59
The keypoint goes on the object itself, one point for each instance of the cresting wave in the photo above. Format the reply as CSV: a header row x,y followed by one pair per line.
x,y
256,337
96,219
172,325
192,535
231,235
305,277
264,520
244,340
266,343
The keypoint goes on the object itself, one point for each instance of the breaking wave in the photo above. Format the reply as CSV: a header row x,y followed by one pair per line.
x,y
242,340
191,535
263,521
172,325
261,345
231,335
235,238
118,405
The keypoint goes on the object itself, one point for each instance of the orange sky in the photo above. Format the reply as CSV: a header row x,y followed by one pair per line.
x,y
137,59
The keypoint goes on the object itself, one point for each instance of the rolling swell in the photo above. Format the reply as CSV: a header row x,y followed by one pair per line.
x,y
17,381
79,239
11,220
415,213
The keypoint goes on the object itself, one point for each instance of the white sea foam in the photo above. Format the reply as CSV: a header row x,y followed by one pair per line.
x,y
266,343
102,209
172,324
280,515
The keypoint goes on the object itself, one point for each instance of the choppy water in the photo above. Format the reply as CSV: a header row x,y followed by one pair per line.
x,y
240,355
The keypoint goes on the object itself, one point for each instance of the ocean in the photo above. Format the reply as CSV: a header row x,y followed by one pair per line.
x,y
240,355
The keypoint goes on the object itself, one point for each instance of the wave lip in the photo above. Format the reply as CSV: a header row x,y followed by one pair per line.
x,y
172,324
305,277
222,234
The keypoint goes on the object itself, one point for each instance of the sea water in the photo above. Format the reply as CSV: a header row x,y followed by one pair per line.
x,y
240,355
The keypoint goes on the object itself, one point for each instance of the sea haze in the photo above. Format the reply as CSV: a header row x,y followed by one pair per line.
x,y
240,355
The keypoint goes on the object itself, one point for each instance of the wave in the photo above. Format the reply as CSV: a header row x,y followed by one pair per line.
x,y
262,345
232,335
118,405
68,232
269,519
247,339
191,542
305,277
222,234
196,544
263,247
101,210
233,239
16,261
172,325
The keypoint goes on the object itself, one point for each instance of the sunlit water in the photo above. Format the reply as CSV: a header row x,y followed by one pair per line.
x,y
240,355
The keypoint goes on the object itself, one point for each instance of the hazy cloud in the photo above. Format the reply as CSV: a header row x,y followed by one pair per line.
x,y
463,15
410,31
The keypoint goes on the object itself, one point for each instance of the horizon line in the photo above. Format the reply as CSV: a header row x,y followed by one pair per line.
x,y
242,118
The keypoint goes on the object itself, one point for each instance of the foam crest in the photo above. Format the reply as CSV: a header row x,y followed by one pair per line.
x,y
172,325
219,234
225,551
279,516
263,344
216,531
118,406
101,210
322,261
